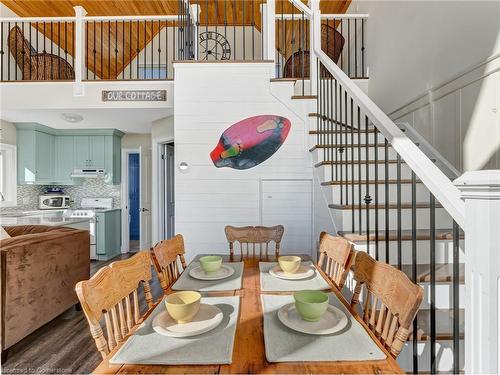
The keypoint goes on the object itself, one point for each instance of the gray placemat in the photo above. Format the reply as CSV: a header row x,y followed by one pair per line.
x,y
270,283
233,282
283,344
214,347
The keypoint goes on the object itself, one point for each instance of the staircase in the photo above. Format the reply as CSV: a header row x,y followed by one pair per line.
x,y
377,201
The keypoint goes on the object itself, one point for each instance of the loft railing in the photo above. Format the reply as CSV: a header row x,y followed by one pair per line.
x,y
342,39
85,48
37,49
371,160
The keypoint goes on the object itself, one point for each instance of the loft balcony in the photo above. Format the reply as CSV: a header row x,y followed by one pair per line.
x,y
85,47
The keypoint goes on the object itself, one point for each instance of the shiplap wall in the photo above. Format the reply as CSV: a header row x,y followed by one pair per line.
x,y
208,99
460,118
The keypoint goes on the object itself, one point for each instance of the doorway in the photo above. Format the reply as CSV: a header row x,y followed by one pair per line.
x,y
167,191
134,201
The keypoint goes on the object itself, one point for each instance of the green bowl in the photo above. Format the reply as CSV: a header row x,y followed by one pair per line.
x,y
211,263
311,304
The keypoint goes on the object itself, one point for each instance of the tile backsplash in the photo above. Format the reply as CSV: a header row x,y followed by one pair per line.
x,y
27,195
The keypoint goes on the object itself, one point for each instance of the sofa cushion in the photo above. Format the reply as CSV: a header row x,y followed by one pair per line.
x,y
3,234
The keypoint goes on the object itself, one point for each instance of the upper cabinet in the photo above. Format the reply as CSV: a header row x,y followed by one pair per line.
x,y
35,164
64,159
49,156
90,151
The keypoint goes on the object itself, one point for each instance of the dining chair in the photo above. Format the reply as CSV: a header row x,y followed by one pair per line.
x,y
166,256
113,293
257,235
336,257
391,300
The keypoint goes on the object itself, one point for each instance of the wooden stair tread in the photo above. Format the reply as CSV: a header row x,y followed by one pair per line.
x,y
283,80
304,97
381,206
444,272
444,324
406,235
350,146
370,182
348,162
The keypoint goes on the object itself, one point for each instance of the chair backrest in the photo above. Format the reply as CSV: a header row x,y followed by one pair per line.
x,y
21,50
336,257
391,300
258,235
113,292
165,256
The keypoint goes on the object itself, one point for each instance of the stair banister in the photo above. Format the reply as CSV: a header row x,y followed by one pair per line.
x,y
432,177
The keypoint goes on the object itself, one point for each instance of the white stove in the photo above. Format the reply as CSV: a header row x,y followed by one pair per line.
x,y
89,207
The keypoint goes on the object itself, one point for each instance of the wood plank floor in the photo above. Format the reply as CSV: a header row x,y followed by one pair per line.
x,y
63,345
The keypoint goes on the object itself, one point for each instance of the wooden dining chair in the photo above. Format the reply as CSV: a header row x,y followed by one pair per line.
x,y
113,293
336,257
258,235
391,300
166,256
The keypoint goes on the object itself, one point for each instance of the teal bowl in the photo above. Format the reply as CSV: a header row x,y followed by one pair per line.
x,y
211,263
311,304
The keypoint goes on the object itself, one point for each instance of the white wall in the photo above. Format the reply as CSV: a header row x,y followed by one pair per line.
x,y
136,140
209,98
433,64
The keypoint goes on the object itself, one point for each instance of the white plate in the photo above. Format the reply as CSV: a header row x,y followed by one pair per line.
x,y
333,320
207,319
222,273
303,273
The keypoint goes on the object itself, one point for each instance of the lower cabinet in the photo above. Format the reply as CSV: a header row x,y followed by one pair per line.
x,y
108,234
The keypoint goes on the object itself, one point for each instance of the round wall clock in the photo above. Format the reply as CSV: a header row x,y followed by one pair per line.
x,y
214,46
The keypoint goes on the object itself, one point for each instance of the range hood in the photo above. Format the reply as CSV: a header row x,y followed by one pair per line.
x,y
88,173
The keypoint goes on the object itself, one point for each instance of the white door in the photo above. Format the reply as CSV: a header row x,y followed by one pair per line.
x,y
145,201
289,203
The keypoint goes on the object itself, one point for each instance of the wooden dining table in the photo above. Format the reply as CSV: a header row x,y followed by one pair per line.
x,y
249,352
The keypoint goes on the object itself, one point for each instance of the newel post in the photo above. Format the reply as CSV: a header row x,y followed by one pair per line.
x,y
315,38
481,193
79,51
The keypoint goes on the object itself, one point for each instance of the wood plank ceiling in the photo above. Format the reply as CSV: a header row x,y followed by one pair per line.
x,y
111,47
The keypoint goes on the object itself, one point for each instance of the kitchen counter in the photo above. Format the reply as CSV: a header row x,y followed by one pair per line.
x,y
54,221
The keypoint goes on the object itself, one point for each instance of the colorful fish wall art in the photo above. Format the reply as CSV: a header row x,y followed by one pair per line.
x,y
250,142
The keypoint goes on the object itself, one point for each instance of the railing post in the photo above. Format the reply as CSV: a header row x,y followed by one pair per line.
x,y
269,25
481,192
315,38
195,14
80,13
264,31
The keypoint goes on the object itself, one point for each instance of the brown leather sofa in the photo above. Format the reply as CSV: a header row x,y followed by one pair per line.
x,y
40,266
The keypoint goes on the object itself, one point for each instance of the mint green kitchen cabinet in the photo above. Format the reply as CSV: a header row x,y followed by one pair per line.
x,y
108,234
113,159
35,157
81,151
64,159
47,156
90,151
44,144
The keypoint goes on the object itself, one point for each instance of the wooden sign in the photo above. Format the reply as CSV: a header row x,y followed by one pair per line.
x,y
134,95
